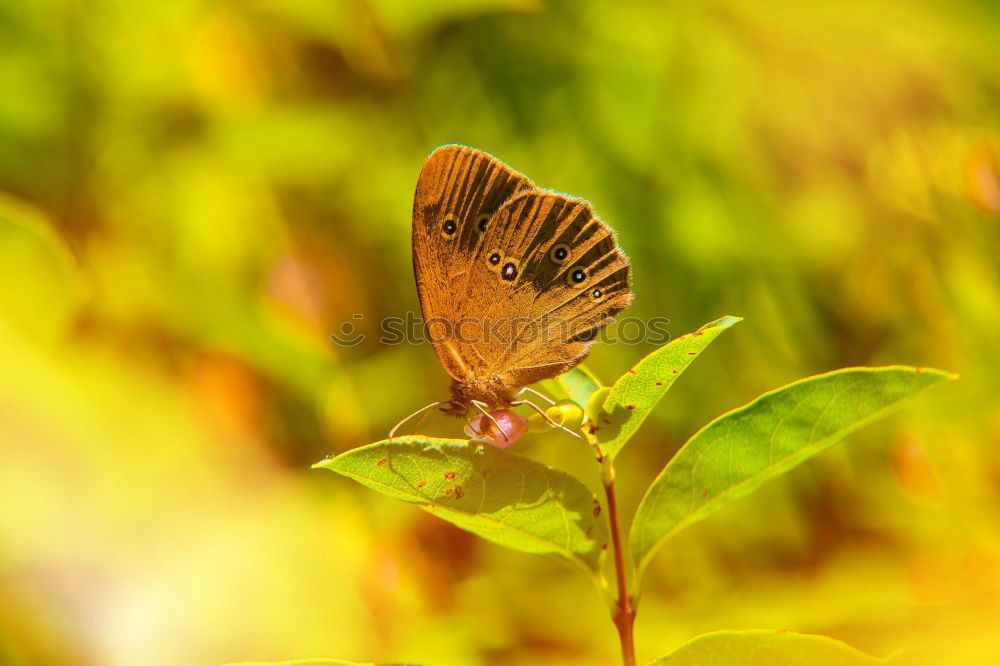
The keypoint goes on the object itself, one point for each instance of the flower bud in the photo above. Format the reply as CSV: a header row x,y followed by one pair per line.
x,y
512,428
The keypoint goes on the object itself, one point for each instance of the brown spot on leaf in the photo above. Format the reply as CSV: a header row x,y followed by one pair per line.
x,y
450,476
674,372
383,461
459,493
597,508
421,484
448,491
697,333
704,492
604,546
632,371
694,353
629,407
593,429
659,383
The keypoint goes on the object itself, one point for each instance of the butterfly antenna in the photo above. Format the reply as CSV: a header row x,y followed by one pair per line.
x,y
481,407
545,416
539,394
392,433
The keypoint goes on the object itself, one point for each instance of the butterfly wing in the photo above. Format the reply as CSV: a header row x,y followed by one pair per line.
x,y
458,192
559,279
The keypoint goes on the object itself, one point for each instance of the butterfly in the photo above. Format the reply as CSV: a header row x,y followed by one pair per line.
x,y
514,281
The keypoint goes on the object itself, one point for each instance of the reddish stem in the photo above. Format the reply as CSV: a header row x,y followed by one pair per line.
x,y
624,617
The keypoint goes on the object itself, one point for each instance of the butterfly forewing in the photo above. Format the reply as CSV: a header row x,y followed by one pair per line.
x,y
458,191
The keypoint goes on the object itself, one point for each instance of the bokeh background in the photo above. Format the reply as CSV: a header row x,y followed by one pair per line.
x,y
195,194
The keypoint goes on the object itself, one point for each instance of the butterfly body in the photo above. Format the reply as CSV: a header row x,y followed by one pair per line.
x,y
514,281
494,392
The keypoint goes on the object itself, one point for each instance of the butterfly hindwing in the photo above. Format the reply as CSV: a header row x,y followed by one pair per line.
x,y
561,276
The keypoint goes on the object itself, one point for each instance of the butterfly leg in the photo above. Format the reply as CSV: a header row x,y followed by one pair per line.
x,y
545,416
420,422
539,394
392,432
481,406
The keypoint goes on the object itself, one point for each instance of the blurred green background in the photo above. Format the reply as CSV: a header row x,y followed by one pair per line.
x,y
196,194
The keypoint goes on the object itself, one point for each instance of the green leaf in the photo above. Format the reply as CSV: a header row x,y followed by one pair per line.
x,y
766,648
636,392
579,383
737,452
554,389
500,496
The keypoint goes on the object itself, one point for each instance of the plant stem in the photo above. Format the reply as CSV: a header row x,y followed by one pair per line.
x,y
624,614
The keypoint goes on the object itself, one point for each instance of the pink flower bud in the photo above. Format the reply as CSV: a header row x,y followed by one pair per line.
x,y
512,424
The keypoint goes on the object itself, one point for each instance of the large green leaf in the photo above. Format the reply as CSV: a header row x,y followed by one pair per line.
x,y
634,395
765,648
737,452
500,496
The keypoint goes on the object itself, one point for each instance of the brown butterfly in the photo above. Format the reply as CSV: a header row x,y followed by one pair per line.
x,y
514,281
